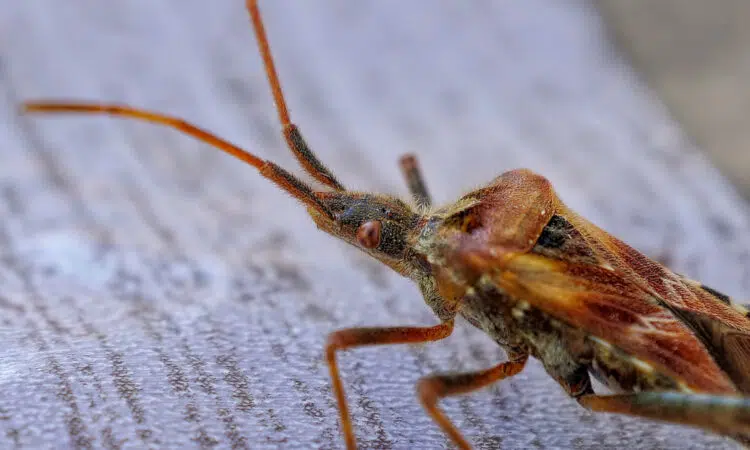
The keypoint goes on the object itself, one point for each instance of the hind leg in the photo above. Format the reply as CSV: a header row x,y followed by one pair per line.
x,y
725,415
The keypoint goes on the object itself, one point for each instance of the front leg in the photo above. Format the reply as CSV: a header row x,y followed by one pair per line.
x,y
360,337
725,415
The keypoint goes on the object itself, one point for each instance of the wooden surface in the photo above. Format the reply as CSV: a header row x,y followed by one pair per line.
x,y
156,293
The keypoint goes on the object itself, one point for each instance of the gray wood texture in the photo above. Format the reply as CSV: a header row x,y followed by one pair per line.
x,y
155,293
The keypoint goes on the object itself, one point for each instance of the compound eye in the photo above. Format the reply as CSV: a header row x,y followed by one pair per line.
x,y
368,234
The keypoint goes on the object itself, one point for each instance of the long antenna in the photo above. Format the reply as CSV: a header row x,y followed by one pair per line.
x,y
305,156
148,116
268,64
285,180
268,169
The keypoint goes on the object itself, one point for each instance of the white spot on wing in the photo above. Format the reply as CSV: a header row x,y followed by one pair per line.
x,y
601,342
684,387
740,308
643,366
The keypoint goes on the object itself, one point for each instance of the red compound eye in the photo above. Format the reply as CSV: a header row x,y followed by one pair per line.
x,y
368,234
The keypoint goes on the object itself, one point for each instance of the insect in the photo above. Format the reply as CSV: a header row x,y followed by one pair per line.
x,y
542,281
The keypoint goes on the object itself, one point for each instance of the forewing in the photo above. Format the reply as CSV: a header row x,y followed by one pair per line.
x,y
723,327
653,277
610,307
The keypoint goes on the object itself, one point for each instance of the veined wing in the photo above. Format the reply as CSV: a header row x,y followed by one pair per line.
x,y
653,277
612,308
722,326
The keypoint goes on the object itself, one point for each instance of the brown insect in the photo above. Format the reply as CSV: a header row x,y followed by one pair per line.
x,y
542,281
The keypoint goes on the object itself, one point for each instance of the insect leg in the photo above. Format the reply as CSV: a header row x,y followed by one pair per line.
x,y
431,389
417,186
302,152
723,414
360,337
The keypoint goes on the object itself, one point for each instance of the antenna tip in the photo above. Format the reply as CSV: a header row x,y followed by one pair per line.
x,y
408,161
35,107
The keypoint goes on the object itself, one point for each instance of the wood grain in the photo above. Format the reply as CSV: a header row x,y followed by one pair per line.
x,y
155,293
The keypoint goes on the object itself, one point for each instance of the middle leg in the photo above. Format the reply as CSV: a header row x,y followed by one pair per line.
x,y
432,388
414,179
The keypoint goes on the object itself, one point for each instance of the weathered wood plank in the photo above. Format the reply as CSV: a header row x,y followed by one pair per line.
x,y
154,292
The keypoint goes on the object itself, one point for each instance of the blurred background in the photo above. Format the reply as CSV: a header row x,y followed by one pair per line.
x,y
696,55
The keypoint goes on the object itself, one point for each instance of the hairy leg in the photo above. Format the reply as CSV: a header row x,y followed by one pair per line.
x,y
722,414
414,179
